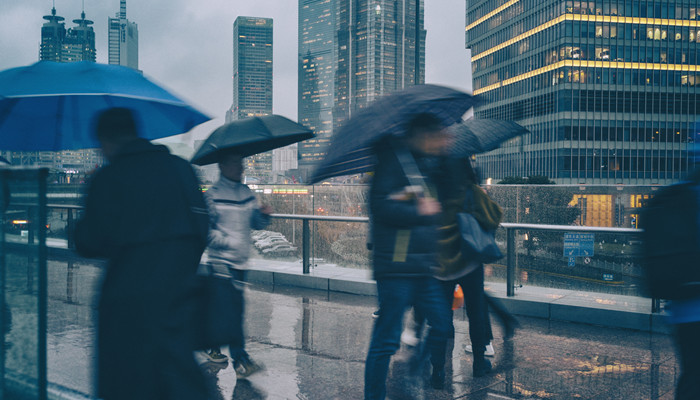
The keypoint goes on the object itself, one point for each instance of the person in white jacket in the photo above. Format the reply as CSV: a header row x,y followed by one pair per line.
x,y
234,211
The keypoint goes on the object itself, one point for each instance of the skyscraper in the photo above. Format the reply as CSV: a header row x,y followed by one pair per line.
x,y
380,49
123,39
608,89
350,53
252,82
52,34
317,21
79,43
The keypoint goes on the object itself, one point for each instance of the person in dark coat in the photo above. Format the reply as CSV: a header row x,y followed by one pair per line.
x,y
404,220
145,214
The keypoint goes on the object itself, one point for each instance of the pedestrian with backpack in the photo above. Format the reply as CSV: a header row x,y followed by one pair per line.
x,y
671,249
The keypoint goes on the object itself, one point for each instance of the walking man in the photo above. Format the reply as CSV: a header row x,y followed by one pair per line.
x,y
145,214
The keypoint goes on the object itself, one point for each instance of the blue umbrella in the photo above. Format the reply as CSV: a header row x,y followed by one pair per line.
x,y
50,106
351,149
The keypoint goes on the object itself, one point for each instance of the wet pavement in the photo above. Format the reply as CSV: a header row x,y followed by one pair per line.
x,y
313,344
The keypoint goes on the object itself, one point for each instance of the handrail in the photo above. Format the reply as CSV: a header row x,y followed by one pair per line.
x,y
511,229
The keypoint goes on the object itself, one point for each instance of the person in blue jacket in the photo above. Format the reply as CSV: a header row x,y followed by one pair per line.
x,y
404,219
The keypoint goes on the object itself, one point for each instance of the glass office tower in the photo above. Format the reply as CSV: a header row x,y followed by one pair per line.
x,y
316,71
607,88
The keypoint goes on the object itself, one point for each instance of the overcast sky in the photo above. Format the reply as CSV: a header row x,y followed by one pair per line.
x,y
186,45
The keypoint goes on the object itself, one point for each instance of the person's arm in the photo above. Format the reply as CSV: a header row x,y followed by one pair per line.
x,y
399,211
260,217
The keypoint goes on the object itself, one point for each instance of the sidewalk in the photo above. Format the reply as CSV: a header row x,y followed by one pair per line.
x,y
314,343
603,309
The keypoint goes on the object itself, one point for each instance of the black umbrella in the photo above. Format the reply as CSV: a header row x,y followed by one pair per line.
x,y
477,136
351,148
250,136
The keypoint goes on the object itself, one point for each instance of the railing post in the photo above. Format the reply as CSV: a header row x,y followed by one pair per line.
x,y
69,229
305,245
655,305
510,262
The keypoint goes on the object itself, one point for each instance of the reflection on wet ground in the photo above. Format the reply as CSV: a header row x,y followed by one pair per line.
x,y
314,343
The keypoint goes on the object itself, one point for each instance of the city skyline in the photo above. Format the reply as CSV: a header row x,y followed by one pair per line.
x,y
196,63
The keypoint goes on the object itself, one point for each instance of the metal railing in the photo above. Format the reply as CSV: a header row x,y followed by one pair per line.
x,y
511,229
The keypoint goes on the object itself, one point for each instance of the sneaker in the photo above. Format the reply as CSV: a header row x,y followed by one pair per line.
x,y
408,337
375,314
247,367
490,352
215,356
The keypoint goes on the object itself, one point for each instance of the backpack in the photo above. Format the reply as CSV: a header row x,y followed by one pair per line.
x,y
671,242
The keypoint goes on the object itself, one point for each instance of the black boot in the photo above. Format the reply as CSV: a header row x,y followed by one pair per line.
x,y
481,365
437,380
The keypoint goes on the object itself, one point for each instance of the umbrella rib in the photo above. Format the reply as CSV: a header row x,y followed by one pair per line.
x,y
178,103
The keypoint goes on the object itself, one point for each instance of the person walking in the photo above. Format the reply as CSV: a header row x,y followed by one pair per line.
x,y
145,214
234,212
404,221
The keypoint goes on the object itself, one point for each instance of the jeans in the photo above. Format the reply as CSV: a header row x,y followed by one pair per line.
x,y
395,296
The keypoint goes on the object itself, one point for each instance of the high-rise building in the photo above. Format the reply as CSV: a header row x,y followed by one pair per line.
x,y
317,30
380,49
350,53
608,89
252,83
59,45
53,33
79,43
123,39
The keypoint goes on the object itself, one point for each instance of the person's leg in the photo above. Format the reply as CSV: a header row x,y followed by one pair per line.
x,y
395,295
689,349
432,302
237,346
474,301
509,322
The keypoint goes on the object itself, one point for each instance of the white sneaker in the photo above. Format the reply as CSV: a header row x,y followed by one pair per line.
x,y
408,337
490,352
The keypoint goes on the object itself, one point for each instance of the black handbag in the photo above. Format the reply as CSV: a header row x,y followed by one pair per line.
x,y
477,244
216,311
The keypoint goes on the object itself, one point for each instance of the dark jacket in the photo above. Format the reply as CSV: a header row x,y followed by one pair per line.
x,y
404,243
145,214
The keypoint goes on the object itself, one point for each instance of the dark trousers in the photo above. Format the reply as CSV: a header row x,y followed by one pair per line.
x,y
237,346
688,343
395,296
477,310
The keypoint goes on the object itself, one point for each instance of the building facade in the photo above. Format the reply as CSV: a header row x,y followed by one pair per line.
x,y
317,32
252,84
53,32
380,49
608,89
123,39
79,42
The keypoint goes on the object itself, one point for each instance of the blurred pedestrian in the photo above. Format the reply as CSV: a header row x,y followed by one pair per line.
x,y
458,193
234,212
671,249
404,213
145,214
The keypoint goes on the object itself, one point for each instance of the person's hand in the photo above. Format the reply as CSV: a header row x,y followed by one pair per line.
x,y
266,209
428,206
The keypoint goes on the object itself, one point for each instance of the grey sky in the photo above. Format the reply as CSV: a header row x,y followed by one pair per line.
x,y
186,45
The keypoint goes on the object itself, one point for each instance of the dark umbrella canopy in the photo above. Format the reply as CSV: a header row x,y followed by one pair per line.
x,y
50,106
251,136
350,151
477,136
